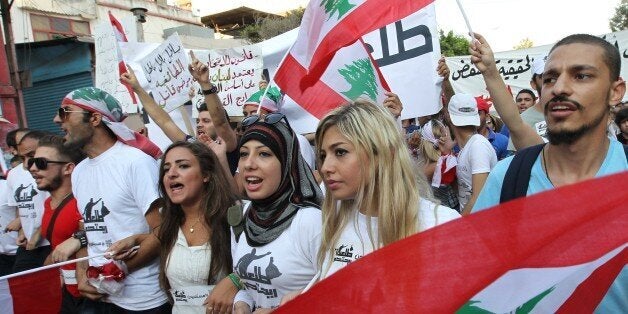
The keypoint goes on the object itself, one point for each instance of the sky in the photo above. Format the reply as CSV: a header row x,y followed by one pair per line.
x,y
504,23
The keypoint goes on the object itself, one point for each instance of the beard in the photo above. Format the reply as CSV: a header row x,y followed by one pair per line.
x,y
568,137
54,184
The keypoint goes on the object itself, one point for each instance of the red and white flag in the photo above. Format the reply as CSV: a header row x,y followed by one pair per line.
x,y
351,74
556,251
39,292
118,31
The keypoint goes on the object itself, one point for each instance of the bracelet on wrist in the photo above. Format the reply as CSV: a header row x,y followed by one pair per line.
x,y
236,281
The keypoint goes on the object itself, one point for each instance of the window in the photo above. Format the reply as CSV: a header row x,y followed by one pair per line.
x,y
50,27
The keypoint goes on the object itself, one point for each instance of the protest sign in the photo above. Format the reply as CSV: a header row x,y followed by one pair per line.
x,y
166,71
107,75
236,72
515,66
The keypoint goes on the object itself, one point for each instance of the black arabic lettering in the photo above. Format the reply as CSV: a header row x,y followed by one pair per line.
x,y
402,36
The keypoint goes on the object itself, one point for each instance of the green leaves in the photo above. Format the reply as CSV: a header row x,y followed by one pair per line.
x,y
340,7
361,76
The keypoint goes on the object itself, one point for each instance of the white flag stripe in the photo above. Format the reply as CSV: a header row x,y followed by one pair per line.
x,y
516,287
6,301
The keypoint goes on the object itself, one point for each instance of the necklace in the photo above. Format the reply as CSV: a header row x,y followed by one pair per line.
x,y
545,167
194,224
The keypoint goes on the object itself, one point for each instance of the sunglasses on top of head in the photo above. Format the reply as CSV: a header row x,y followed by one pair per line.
x,y
42,163
271,118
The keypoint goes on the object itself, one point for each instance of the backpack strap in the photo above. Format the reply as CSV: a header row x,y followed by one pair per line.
x,y
517,177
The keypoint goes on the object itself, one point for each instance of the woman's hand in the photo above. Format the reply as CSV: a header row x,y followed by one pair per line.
x,y
241,308
290,296
220,300
130,79
123,249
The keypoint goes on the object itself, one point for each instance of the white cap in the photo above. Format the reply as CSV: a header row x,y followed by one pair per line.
x,y
463,110
538,65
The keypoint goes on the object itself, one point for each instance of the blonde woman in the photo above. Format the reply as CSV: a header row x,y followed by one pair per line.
x,y
372,186
440,164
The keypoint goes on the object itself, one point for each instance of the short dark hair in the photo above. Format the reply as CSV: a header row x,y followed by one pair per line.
x,y
611,53
621,116
526,91
202,107
66,153
10,138
35,135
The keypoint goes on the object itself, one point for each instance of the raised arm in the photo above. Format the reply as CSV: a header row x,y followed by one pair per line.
x,y
158,114
200,73
522,135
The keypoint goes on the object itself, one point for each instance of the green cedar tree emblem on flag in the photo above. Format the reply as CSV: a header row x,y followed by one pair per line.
x,y
336,6
361,76
471,308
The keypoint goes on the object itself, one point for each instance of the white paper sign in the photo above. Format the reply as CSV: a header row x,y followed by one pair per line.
x,y
236,72
166,70
107,71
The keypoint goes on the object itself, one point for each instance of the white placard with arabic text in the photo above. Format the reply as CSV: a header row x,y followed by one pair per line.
x,y
107,75
236,72
166,70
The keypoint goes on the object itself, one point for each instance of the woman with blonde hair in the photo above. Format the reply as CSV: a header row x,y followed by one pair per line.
x,y
440,164
373,188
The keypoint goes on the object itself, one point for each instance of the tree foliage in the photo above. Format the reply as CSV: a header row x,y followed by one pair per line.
x,y
619,21
266,28
453,45
524,44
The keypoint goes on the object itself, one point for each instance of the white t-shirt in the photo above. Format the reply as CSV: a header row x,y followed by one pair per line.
x,y
187,270
24,194
477,156
356,241
113,193
286,264
7,214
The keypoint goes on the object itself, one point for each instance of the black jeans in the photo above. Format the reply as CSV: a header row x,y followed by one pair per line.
x,y
69,303
95,307
6,264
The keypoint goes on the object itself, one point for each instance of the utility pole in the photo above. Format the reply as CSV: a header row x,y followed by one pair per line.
x,y
140,18
5,8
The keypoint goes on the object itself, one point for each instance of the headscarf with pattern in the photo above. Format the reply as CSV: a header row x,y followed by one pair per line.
x,y
94,99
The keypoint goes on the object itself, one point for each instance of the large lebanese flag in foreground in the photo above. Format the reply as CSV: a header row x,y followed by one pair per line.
x,y
38,292
556,251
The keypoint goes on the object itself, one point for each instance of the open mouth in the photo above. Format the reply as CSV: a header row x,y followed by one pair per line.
x,y
176,187
253,183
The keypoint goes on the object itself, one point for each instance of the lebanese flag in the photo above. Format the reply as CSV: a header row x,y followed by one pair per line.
x,y
351,74
38,292
329,25
556,251
118,31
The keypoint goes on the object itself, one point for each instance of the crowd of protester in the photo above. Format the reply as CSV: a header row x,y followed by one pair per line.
x,y
249,219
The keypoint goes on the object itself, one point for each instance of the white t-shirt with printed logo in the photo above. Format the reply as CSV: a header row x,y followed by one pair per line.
x,y
113,193
477,156
284,265
7,214
23,194
356,241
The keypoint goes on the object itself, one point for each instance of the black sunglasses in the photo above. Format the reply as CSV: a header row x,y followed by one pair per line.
x,y
64,111
270,118
42,163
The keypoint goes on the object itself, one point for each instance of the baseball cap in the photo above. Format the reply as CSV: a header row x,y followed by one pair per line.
x,y
463,110
483,105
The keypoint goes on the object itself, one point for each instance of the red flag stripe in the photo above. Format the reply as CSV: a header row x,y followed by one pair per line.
x,y
117,28
592,290
369,16
317,99
38,292
122,69
441,269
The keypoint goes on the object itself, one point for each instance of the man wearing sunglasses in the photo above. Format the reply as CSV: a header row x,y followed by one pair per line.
x,y
62,224
115,188
29,200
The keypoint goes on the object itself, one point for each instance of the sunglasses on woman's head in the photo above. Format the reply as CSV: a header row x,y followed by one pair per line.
x,y
271,118
64,111
42,163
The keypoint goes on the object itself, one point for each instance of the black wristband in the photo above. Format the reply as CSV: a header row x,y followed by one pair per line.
x,y
81,236
210,91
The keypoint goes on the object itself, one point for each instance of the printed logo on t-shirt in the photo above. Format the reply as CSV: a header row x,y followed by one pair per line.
x,y
24,198
94,217
256,280
541,128
345,254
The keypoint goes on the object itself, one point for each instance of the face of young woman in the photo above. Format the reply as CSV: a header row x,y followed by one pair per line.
x,y
260,170
341,166
183,179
